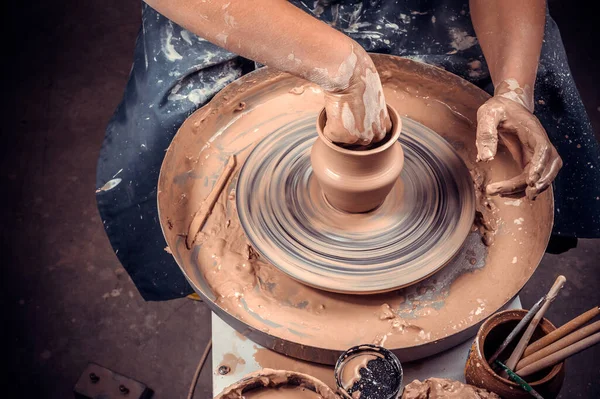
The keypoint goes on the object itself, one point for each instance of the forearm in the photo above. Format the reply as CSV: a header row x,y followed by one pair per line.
x,y
510,33
272,32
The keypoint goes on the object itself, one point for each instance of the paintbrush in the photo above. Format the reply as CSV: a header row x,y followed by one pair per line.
x,y
522,383
560,344
520,348
559,356
524,321
565,329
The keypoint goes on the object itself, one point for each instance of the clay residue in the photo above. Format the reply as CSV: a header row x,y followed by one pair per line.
x,y
227,271
231,361
350,369
269,359
269,383
282,392
439,388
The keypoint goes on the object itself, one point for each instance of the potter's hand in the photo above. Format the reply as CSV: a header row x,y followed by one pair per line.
x,y
281,36
505,117
356,112
510,33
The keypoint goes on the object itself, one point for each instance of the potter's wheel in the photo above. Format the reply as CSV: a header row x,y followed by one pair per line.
x,y
417,230
282,314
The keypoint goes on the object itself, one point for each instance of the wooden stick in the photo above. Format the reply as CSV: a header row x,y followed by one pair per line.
x,y
560,344
208,204
524,321
520,348
559,356
565,329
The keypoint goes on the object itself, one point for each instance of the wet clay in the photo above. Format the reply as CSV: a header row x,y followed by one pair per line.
x,y
351,369
235,281
439,388
270,359
270,383
283,392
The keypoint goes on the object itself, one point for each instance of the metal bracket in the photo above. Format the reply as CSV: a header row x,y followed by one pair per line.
x,y
98,382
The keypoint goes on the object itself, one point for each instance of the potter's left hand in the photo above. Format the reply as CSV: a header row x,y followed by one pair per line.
x,y
504,116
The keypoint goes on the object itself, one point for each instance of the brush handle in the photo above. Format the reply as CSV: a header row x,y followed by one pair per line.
x,y
524,321
560,344
520,348
559,356
564,330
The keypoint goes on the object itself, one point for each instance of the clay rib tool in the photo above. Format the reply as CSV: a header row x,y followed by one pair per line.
x,y
207,205
522,383
559,356
518,352
560,344
565,329
524,321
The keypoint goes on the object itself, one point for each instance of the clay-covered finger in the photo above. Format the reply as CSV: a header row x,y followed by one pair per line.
x,y
516,185
488,119
547,178
539,162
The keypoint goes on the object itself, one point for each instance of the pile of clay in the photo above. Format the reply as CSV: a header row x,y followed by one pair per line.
x,y
268,383
440,388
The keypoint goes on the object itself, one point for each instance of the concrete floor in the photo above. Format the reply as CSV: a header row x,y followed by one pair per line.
x,y
66,299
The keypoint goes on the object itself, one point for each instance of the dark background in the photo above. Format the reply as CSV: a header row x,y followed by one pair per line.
x,y
65,299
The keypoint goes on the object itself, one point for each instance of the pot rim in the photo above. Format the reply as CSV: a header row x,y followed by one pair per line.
x,y
394,136
253,382
480,340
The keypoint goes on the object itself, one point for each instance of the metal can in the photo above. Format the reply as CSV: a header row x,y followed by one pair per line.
x,y
368,372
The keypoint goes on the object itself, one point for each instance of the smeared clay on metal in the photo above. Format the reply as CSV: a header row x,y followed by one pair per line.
x,y
291,317
269,383
440,388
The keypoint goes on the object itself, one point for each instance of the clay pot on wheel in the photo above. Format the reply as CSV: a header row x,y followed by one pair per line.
x,y
357,180
491,334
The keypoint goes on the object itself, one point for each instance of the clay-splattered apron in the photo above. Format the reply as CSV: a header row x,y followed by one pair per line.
x,y
175,72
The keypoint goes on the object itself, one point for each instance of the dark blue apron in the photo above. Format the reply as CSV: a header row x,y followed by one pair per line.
x,y
175,72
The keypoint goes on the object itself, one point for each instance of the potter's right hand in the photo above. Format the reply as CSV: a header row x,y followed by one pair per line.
x,y
506,117
356,112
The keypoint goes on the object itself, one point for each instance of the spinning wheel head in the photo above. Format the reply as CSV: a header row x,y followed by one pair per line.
x,y
419,227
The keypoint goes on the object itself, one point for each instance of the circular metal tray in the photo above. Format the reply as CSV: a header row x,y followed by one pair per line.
x,y
282,314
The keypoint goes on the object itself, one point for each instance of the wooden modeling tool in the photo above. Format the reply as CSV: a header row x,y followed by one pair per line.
x,y
560,344
564,330
207,205
559,356
520,348
522,383
524,321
